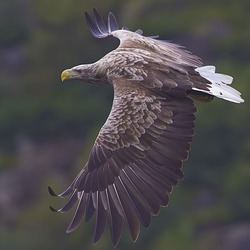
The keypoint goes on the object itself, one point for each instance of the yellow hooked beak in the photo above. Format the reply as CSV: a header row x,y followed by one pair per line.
x,y
65,75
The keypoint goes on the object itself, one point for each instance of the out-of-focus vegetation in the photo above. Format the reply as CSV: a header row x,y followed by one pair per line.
x,y
47,128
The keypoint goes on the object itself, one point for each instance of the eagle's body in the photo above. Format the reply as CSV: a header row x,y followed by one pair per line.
x,y
138,154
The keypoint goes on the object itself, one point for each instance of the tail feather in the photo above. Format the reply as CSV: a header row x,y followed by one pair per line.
x,y
219,85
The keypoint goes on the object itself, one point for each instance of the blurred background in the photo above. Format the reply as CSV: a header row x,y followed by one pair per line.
x,y
47,128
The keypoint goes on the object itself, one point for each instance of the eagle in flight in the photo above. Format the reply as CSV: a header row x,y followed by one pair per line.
x,y
138,154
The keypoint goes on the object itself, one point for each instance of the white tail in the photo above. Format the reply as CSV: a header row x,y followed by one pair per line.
x,y
219,85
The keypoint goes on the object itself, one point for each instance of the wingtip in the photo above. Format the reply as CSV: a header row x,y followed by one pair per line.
x,y
112,22
96,238
69,230
66,193
96,12
115,243
72,227
53,209
96,26
51,192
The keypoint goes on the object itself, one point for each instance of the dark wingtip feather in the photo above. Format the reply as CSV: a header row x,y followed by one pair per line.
x,y
79,213
112,23
115,226
100,222
92,26
67,192
70,203
73,226
51,192
99,22
53,209
90,209
97,27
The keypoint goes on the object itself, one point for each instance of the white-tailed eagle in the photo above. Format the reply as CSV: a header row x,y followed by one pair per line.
x,y
138,154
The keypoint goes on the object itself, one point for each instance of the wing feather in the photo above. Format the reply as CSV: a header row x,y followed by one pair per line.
x,y
101,218
79,213
130,179
130,212
115,219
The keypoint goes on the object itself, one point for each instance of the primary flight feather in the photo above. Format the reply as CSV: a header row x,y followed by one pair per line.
x,y
138,154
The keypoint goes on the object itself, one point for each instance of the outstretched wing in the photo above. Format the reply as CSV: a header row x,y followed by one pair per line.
x,y
134,163
206,82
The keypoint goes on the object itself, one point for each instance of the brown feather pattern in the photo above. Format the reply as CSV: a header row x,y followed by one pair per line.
x,y
138,154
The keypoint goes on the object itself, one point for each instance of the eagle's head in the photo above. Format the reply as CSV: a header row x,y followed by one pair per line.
x,y
84,72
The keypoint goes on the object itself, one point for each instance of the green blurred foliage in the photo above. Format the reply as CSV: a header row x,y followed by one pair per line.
x,y
41,38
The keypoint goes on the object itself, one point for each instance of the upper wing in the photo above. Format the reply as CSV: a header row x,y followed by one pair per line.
x,y
205,81
134,163
169,51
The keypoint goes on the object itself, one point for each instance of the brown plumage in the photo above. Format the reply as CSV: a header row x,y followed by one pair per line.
x,y
137,156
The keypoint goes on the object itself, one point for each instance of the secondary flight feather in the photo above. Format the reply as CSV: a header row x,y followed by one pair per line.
x,y
138,154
